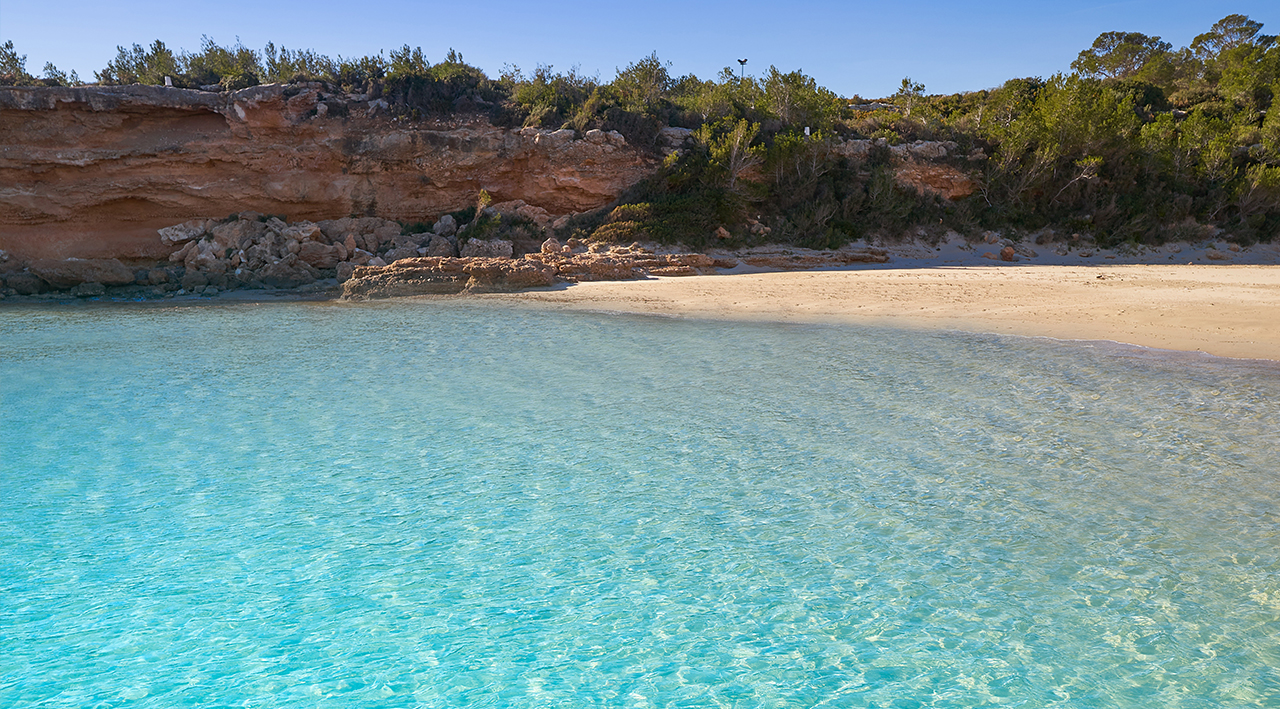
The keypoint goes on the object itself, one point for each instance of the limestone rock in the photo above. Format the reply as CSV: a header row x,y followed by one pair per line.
x,y
552,246
288,272
507,274
421,276
193,281
496,248
88,290
73,271
257,151
302,232
537,215
186,231
445,226
203,255
555,139
401,253
674,137
239,234
440,246
941,180
319,255
25,283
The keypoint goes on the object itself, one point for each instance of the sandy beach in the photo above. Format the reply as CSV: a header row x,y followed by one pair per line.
x,y
1223,310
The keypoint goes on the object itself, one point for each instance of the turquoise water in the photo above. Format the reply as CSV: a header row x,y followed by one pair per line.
x,y
444,504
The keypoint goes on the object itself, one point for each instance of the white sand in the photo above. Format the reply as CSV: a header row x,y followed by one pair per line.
x,y
1226,310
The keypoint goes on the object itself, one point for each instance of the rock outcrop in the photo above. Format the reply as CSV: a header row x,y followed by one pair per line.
x,y
431,276
93,172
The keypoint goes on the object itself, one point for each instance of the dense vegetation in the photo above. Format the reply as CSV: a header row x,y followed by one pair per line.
x,y
1141,143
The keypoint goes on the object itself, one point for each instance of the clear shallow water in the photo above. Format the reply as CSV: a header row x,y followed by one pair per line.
x,y
440,504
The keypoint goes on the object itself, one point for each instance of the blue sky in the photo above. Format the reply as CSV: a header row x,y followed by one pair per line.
x,y
850,47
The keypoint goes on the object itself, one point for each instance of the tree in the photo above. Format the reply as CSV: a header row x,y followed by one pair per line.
x,y
1119,55
55,76
13,67
729,145
642,84
909,94
798,100
1228,33
139,66
408,61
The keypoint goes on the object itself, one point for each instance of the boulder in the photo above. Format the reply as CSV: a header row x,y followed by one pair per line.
x,y
204,256
446,226
303,231
927,150
382,236
240,234
186,231
555,139
537,215
1008,253
319,255
552,246
596,136
26,283
89,290
496,248
674,137
506,209
400,253
193,281
288,272
440,246
74,271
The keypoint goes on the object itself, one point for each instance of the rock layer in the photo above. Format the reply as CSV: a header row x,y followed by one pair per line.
x,y
93,172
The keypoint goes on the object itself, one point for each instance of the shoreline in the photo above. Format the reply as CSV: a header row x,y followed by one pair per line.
x,y
1223,310
1226,311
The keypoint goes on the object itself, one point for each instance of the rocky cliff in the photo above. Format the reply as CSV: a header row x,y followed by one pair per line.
x,y
94,172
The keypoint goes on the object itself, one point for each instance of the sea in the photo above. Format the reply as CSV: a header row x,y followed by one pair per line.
x,y
457,503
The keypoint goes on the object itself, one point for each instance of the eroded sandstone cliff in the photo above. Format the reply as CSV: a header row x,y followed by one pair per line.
x,y
94,172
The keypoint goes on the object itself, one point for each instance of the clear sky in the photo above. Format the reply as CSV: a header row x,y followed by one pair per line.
x,y
854,47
